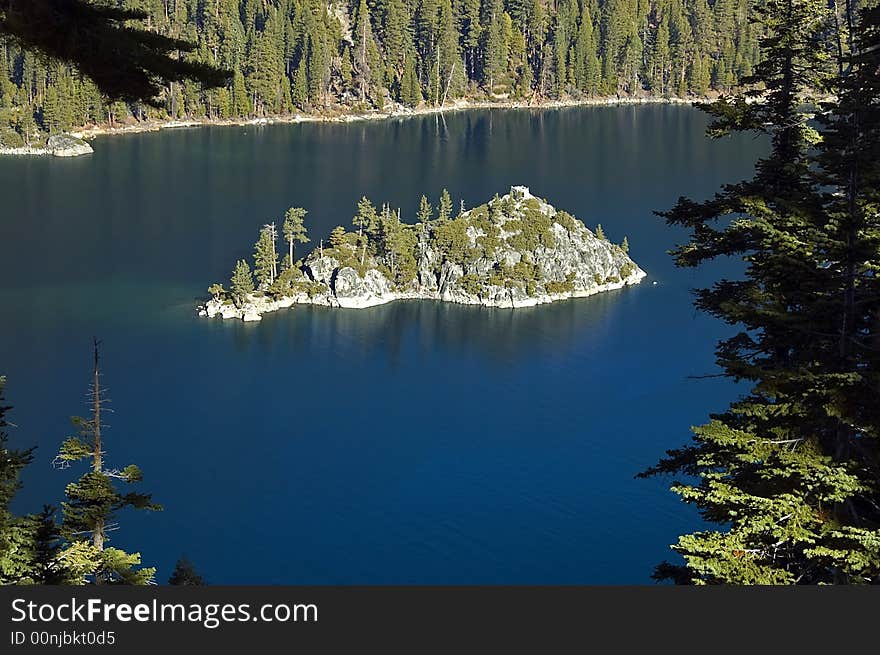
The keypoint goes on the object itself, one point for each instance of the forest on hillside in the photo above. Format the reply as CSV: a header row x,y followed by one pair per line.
x,y
290,56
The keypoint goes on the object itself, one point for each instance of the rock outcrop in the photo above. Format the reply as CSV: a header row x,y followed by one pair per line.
x,y
58,145
64,145
515,251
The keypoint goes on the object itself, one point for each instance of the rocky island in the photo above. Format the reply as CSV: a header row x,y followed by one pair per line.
x,y
516,250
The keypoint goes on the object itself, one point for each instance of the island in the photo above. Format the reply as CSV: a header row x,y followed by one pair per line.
x,y
514,251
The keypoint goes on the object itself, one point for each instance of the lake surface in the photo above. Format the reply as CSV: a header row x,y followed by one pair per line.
x,y
410,443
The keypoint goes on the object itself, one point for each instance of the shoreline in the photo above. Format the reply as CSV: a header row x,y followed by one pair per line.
x,y
257,305
88,133
376,115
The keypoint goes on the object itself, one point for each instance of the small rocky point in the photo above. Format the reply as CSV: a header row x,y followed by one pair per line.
x,y
57,145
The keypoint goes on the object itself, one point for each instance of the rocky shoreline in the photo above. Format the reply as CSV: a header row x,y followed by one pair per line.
x,y
58,145
78,145
259,305
396,111
515,251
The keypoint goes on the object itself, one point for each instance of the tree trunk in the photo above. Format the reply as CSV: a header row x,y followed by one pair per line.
x,y
97,455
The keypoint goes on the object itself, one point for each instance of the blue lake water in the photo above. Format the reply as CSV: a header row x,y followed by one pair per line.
x,y
410,443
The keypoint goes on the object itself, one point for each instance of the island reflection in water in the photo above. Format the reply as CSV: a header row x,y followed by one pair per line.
x,y
419,328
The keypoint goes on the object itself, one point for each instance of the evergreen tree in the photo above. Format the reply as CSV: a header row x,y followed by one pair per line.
x,y
364,50
789,471
444,211
294,230
410,89
265,256
185,575
47,566
242,282
94,500
365,220
425,212
496,46
300,91
14,559
467,15
337,237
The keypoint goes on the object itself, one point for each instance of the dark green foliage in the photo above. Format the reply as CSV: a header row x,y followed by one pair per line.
x,y
788,473
125,62
265,256
444,208
46,566
294,231
14,559
242,282
185,575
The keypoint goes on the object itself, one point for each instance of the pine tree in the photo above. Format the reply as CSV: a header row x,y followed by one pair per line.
x,y
425,212
789,471
242,282
365,220
185,575
265,256
93,500
294,230
467,14
241,103
337,237
51,111
449,64
444,210
300,91
600,233
363,50
47,565
14,563
496,47
410,89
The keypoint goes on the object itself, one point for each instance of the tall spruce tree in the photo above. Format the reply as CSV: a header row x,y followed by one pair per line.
x,y
366,221
185,575
94,500
241,283
15,533
265,256
294,231
789,471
